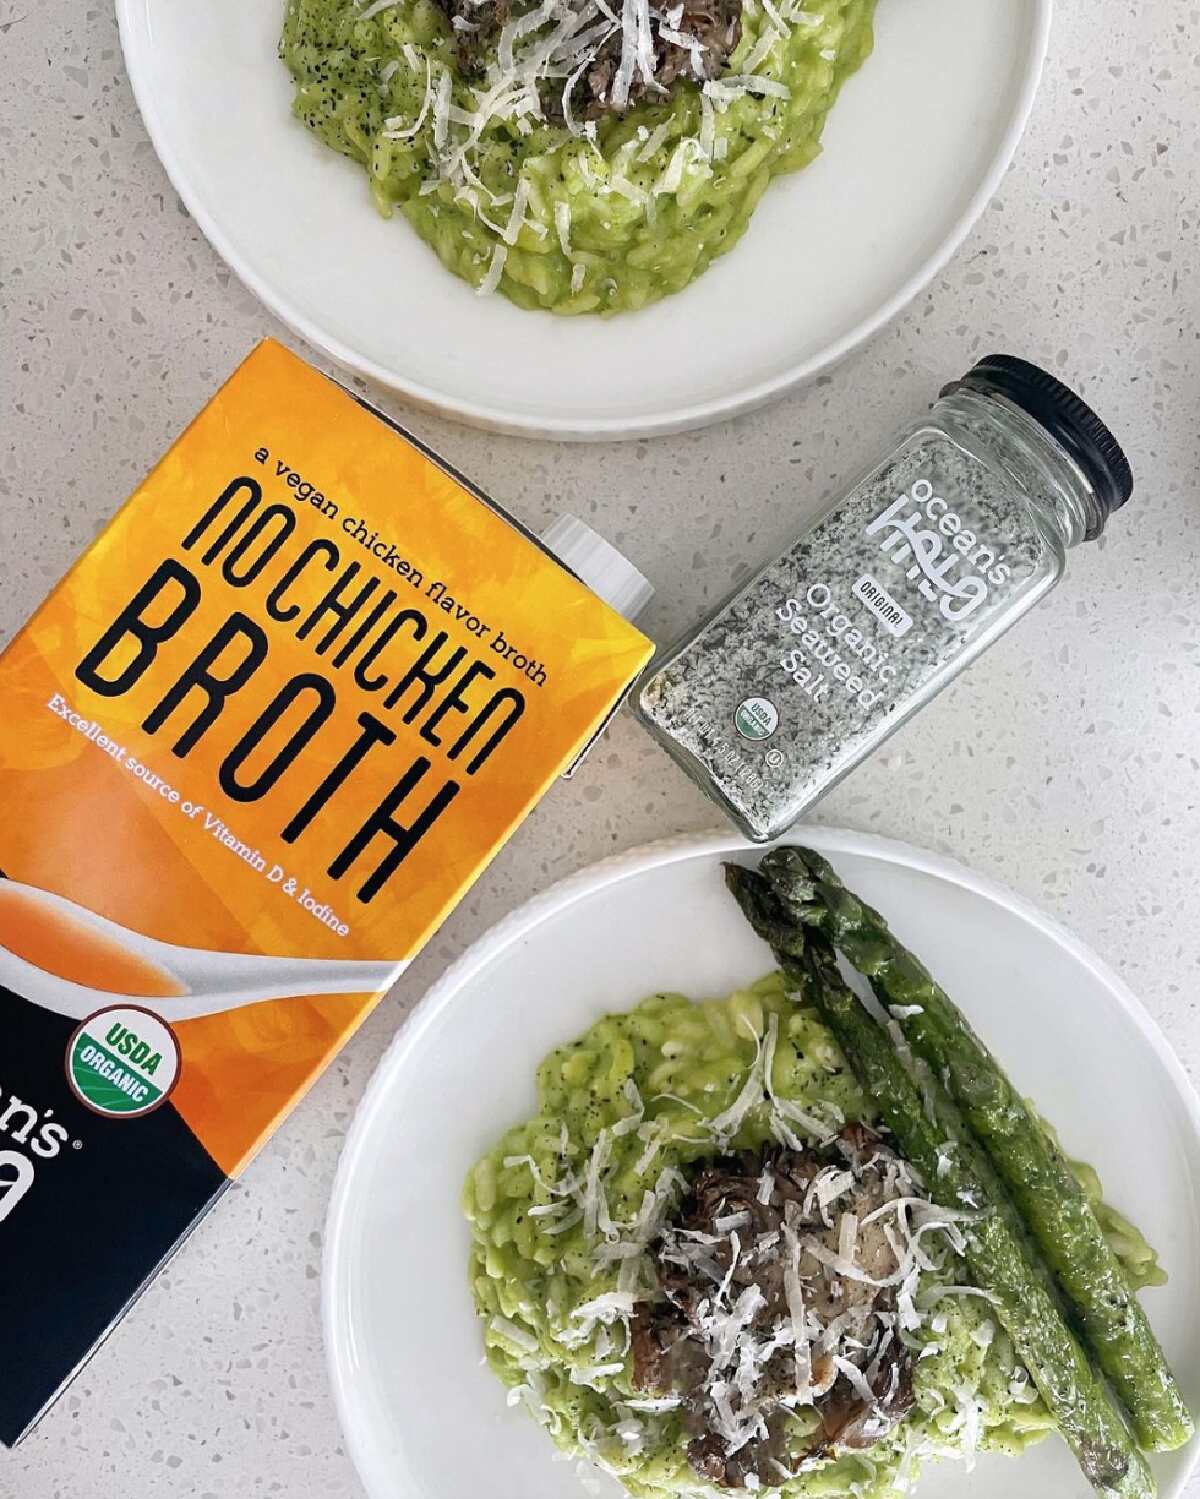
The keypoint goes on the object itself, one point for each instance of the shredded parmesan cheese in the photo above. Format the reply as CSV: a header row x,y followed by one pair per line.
x,y
495,270
562,225
518,1336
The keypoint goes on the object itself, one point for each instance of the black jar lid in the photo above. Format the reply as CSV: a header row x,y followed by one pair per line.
x,y
1067,418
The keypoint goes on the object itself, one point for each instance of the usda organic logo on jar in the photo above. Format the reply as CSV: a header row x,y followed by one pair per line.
x,y
123,1062
756,718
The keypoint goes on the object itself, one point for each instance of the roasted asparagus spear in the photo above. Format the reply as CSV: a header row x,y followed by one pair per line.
x,y
1001,1261
1052,1202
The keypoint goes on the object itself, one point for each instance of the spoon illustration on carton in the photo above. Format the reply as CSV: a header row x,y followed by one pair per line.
x,y
65,958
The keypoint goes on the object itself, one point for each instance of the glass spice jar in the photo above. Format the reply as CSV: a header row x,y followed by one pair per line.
x,y
804,671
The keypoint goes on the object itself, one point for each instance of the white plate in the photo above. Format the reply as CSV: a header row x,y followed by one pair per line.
x,y
914,150
422,1418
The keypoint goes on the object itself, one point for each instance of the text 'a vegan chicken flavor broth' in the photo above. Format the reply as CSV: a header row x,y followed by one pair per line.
x,y
254,747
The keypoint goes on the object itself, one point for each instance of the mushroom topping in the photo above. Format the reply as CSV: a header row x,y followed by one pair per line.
x,y
780,1283
689,39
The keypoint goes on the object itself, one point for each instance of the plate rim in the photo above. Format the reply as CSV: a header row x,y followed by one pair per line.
x,y
616,868
490,417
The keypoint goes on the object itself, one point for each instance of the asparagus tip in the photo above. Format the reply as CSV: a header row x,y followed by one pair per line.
x,y
763,910
794,874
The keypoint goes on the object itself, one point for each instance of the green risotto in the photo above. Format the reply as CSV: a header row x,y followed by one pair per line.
x,y
555,1209
574,214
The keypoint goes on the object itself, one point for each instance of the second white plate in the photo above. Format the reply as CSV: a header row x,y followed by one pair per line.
x,y
422,1419
914,149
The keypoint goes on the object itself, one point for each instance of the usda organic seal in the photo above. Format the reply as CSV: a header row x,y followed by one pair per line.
x,y
756,718
123,1062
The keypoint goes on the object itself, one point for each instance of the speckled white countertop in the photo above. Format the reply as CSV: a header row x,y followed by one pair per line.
x,y
1067,763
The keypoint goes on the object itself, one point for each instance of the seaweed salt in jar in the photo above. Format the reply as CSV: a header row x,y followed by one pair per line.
x,y
803,672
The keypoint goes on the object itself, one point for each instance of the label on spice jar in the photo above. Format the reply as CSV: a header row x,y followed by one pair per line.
x,y
882,605
853,628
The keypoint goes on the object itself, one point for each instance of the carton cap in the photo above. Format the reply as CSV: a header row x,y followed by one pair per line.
x,y
608,573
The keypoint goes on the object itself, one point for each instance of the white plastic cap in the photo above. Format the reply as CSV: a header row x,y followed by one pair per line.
x,y
597,563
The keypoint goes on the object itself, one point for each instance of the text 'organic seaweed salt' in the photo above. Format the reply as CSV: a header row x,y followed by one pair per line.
x,y
803,672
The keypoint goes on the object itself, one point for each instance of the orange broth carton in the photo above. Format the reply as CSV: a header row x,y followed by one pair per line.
x,y
254,747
